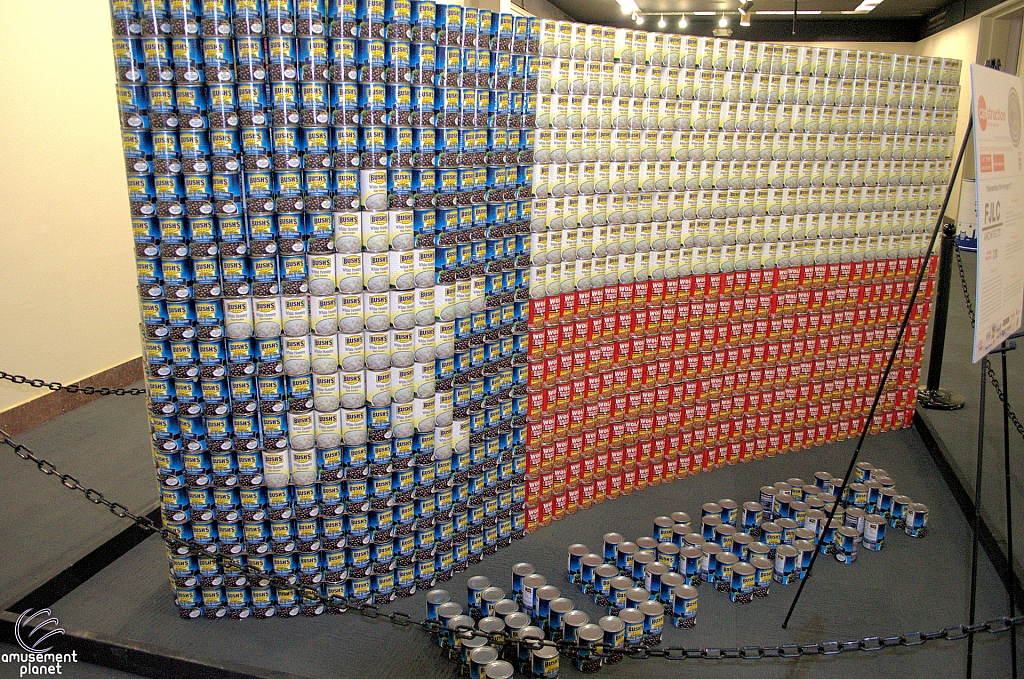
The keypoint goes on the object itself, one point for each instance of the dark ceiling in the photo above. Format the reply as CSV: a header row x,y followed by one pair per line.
x,y
892,20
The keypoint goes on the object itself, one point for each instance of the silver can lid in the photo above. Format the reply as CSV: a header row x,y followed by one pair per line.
x,y
590,633
505,607
578,549
727,503
449,610
663,522
672,580
611,624
517,621
492,594
650,608
478,582
742,568
685,592
534,581
561,605
646,542
483,655
787,551
631,616
636,595
499,669
694,539
436,597
490,624
522,569
612,538
592,560
545,652
548,592
711,508
680,517
575,618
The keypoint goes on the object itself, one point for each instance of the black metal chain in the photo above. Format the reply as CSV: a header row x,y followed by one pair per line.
x,y
399,619
72,388
996,383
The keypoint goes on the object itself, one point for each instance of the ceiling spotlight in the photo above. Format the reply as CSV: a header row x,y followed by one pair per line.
x,y
661,22
628,6
639,19
724,21
744,18
682,21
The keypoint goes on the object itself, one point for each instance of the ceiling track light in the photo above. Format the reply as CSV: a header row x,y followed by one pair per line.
x,y
661,22
682,21
724,21
639,19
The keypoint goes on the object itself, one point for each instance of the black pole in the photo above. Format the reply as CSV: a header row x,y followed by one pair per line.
x,y
1009,514
885,375
932,397
977,516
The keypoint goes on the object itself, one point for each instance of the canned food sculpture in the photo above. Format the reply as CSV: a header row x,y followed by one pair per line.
x,y
416,279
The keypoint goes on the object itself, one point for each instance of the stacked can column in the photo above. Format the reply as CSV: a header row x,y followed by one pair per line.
x,y
477,219
724,240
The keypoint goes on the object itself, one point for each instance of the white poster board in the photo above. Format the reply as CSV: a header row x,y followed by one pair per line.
x,y
999,171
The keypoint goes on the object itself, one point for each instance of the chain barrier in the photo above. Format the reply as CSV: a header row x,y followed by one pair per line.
x,y
72,388
996,382
338,604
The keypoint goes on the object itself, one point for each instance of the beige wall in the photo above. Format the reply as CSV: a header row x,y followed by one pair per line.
x,y
67,303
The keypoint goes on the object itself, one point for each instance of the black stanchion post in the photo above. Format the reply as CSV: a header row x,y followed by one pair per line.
x,y
1009,513
977,516
932,397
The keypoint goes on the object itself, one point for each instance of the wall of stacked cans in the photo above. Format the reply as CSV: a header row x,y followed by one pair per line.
x,y
417,279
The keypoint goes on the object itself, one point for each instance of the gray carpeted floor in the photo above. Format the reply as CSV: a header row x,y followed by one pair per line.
x,y
959,429
910,585
45,528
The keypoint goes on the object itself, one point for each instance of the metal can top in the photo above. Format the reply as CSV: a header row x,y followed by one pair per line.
x,y
726,503
548,592
848,531
663,522
636,595
761,563
743,568
478,582
545,652
671,580
727,558
534,581
490,624
561,605
575,618
680,517
592,560
578,550
499,669
646,542
589,633
437,597
483,655
522,569
505,608
612,624
648,608
517,621
788,551
631,616
685,592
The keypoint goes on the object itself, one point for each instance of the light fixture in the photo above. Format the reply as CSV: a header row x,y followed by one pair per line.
x,y
639,19
661,22
724,21
744,18
682,21
628,6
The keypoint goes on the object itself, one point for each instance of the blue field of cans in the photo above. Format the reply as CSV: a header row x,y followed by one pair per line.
x,y
330,202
